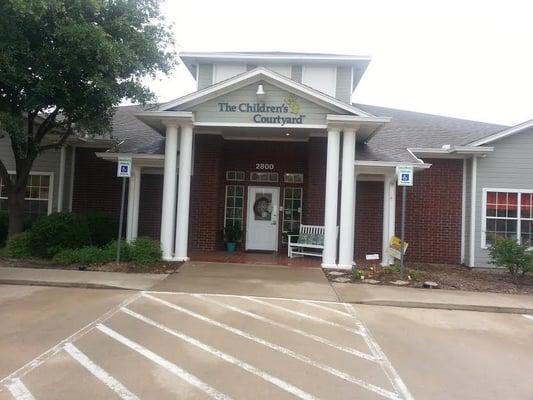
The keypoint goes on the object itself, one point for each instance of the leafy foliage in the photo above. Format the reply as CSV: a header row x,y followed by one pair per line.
x,y
83,255
232,232
102,227
19,245
59,231
144,251
65,65
516,258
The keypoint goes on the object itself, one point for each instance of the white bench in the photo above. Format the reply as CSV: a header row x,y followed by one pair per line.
x,y
310,237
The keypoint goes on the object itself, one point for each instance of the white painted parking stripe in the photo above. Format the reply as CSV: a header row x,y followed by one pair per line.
x,y
316,338
528,316
313,304
306,316
393,376
100,373
19,373
19,390
169,366
281,349
226,357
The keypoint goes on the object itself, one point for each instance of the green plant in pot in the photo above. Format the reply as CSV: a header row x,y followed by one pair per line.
x,y
232,234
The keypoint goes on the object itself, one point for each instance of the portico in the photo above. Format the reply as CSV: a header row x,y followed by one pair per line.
x,y
274,179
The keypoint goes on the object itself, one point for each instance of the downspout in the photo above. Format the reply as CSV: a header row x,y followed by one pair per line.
x,y
473,192
463,214
61,182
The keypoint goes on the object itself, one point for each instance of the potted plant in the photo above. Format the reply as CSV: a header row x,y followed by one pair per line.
x,y
232,234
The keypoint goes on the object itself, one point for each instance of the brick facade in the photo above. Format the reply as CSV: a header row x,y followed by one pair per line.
x,y
433,214
433,227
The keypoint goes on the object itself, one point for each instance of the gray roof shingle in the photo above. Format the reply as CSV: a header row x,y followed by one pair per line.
x,y
407,129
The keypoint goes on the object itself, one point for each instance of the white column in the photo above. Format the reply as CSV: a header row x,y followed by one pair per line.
x,y
329,256
184,191
169,191
347,220
61,183
389,215
137,172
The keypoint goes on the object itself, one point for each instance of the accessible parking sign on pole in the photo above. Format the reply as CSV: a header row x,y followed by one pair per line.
x,y
405,178
124,172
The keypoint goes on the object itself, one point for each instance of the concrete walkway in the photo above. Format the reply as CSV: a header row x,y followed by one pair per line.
x,y
86,279
250,280
433,298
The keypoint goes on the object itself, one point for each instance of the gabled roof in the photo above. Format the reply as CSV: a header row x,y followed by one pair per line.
x,y
504,133
263,74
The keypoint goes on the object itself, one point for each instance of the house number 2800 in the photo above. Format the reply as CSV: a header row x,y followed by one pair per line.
x,y
264,166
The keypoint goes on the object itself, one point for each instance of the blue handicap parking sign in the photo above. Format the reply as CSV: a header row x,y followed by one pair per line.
x,y
405,177
124,168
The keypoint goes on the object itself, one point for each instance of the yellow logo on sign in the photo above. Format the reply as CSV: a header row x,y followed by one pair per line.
x,y
292,102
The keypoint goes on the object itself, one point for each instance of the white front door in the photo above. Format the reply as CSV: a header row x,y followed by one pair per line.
x,y
262,220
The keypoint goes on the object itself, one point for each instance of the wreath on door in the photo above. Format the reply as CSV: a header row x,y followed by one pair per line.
x,y
261,210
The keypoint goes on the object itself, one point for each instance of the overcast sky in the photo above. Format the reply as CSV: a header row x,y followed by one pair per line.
x,y
469,59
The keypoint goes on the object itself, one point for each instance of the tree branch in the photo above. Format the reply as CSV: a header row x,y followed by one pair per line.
x,y
60,142
46,126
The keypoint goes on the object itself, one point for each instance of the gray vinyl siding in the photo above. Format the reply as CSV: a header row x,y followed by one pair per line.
x,y
205,75
249,67
209,111
344,84
509,166
45,162
296,73
68,172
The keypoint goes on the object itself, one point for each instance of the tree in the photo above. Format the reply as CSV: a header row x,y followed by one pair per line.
x,y
64,67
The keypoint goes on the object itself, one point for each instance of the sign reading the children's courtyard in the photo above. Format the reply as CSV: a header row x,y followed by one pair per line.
x,y
285,113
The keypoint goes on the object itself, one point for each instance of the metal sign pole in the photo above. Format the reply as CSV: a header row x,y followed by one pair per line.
x,y
121,218
402,233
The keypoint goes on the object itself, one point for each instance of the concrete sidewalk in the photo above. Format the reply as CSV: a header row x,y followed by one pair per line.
x,y
250,280
84,279
433,298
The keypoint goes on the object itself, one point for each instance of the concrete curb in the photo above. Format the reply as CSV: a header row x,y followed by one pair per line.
x,y
82,285
445,306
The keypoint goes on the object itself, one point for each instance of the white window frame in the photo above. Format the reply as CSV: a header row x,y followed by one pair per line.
x,y
226,199
301,207
519,218
50,188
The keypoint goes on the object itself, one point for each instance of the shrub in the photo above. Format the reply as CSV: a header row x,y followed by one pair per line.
x,y
102,227
19,245
144,251
59,231
84,255
4,222
111,250
507,253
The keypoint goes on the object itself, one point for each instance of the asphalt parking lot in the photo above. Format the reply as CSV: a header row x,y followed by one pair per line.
x,y
157,345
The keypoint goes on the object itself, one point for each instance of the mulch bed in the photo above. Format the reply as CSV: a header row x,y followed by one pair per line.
x,y
162,267
454,277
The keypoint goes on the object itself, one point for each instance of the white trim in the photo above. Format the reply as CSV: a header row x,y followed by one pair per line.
x,y
133,156
256,125
265,56
473,191
502,134
391,164
463,214
50,188
449,152
61,182
72,170
254,75
518,219
197,77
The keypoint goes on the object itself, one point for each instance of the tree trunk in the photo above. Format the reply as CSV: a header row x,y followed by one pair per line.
x,y
15,208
